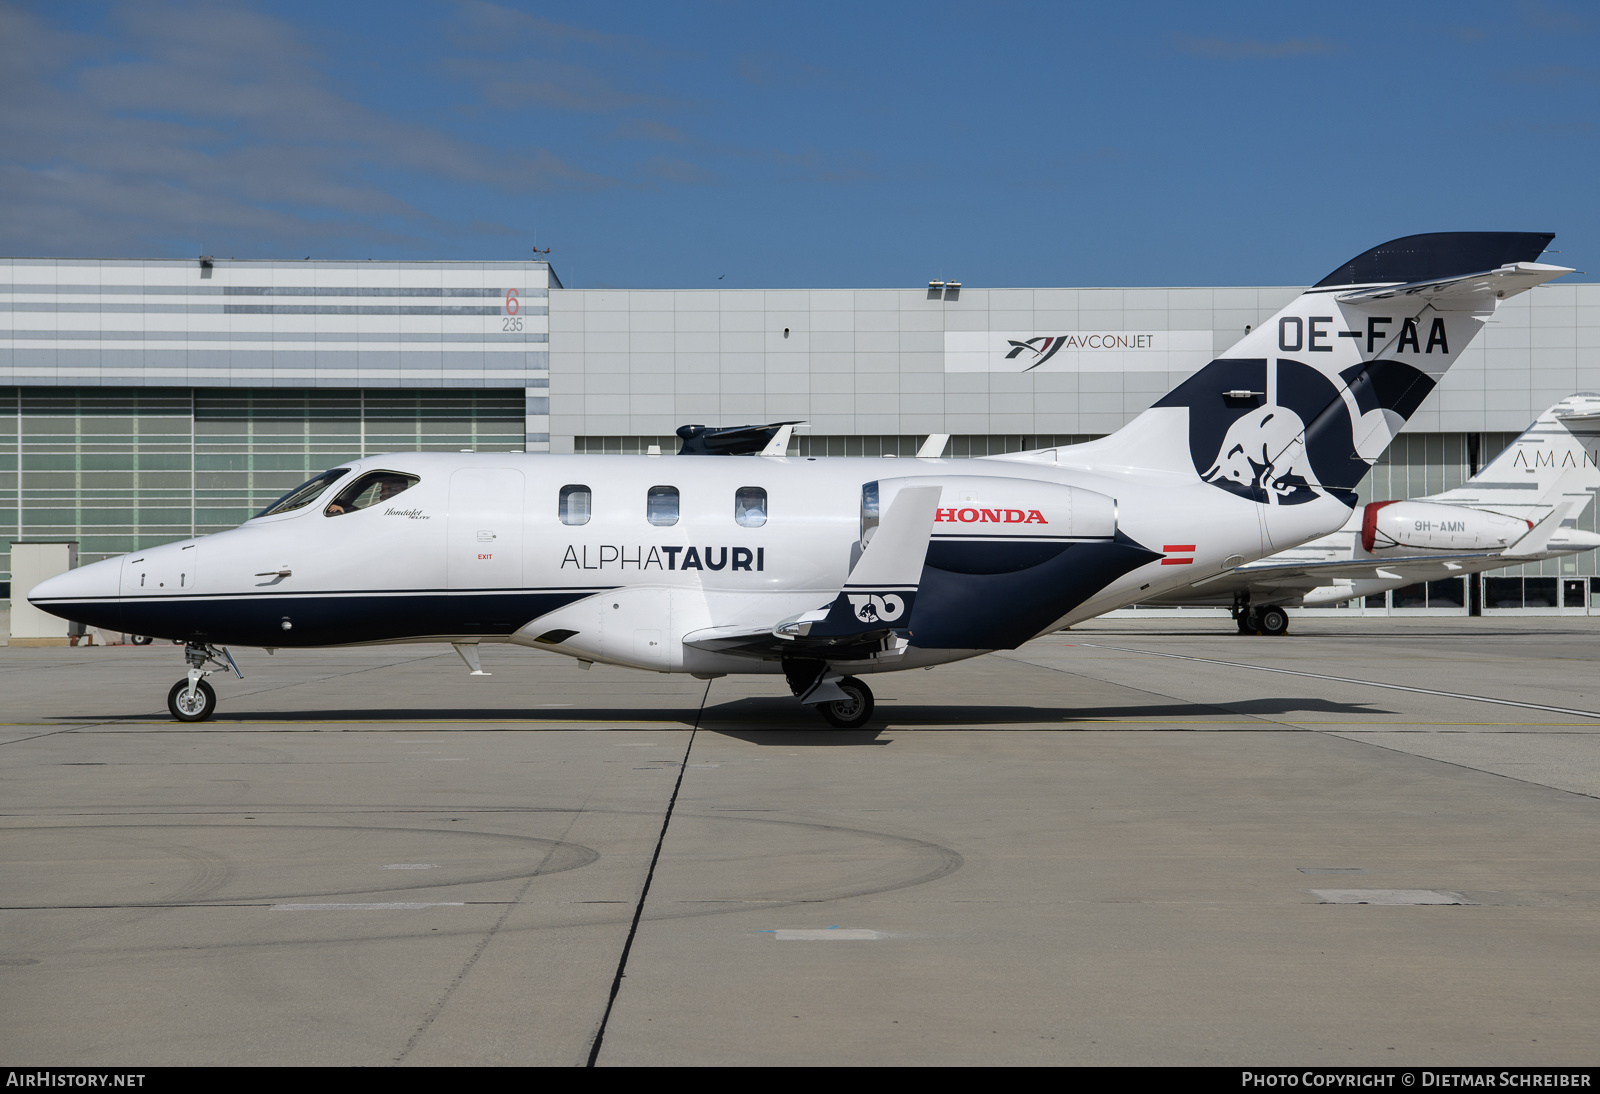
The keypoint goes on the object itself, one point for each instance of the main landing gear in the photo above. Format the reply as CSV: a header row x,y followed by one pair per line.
x,y
192,699
851,712
1270,620
843,701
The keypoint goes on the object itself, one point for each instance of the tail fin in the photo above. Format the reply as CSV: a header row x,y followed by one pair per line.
x,y
1552,462
1302,405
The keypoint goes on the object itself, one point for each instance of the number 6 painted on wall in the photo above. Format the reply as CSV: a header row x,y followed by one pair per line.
x,y
513,305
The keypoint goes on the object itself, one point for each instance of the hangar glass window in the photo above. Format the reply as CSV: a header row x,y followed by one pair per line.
x,y
370,490
661,506
304,494
750,507
576,504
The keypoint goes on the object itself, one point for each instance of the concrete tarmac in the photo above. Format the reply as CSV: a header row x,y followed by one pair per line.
x,y
1373,842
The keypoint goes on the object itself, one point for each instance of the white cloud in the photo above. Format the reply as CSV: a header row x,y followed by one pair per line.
x,y
218,126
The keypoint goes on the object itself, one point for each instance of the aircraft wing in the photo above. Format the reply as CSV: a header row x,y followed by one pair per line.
x,y
875,602
1307,575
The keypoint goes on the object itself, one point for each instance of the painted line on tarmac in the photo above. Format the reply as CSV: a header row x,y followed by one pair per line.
x,y
1349,680
391,906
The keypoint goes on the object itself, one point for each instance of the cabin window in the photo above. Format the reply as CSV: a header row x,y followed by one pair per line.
x,y
304,494
869,511
576,504
661,506
750,507
369,490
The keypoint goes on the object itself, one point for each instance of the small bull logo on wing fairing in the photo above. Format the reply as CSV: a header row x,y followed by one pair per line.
x,y
875,608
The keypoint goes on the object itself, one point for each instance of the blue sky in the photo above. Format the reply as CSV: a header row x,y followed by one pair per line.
x,y
773,145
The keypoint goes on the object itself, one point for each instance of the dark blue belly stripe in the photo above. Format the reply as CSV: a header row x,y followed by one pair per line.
x,y
326,620
1001,605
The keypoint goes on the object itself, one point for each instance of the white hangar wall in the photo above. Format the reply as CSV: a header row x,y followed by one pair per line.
x,y
901,362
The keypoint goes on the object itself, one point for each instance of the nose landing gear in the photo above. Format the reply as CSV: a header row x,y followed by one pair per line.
x,y
192,699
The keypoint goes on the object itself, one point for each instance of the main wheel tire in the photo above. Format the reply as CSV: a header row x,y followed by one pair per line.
x,y
196,708
851,713
1274,621
139,639
1246,623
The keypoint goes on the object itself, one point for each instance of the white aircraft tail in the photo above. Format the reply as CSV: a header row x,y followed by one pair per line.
x,y
1302,406
1553,462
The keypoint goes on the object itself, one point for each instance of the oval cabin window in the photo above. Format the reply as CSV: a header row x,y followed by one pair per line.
x,y
661,506
576,504
750,507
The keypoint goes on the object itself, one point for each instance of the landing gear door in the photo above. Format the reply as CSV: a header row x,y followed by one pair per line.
x,y
484,544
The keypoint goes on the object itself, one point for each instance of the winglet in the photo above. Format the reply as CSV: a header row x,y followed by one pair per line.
x,y
933,447
1538,536
779,445
882,586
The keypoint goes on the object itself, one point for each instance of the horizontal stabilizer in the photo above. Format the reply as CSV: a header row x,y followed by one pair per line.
x,y
1469,292
1580,409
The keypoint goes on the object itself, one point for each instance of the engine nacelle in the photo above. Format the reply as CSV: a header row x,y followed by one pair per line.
x,y
1007,557
983,507
1405,526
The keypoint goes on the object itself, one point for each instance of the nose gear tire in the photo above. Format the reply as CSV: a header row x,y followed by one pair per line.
x,y
196,708
851,713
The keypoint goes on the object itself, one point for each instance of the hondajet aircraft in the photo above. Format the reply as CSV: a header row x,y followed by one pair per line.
x,y
826,570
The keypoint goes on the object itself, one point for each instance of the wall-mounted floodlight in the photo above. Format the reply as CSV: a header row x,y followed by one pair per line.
x,y
952,284
936,284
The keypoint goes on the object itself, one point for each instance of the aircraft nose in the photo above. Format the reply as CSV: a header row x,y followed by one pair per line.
x,y
96,581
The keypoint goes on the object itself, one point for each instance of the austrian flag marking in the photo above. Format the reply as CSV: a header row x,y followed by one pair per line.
x,y
1172,549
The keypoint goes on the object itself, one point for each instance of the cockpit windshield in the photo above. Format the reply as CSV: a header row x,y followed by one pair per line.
x,y
369,490
304,494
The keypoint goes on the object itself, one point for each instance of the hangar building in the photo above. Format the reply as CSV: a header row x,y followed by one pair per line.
x,y
143,401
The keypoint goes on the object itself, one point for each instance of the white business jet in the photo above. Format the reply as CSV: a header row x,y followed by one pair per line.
x,y
826,570
1522,507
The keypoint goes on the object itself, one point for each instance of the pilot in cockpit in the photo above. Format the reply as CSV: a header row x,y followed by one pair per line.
x,y
371,490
